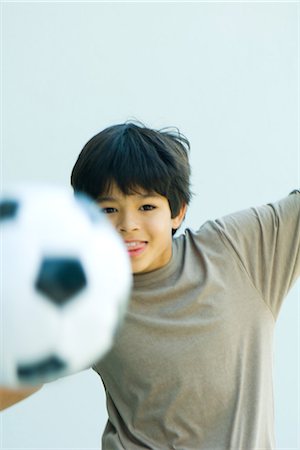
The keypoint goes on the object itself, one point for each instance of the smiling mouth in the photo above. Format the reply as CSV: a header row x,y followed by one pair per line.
x,y
135,248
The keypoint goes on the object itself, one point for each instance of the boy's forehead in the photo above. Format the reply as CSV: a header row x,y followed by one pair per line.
x,y
114,192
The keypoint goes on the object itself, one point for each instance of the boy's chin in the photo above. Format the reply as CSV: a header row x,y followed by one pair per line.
x,y
138,268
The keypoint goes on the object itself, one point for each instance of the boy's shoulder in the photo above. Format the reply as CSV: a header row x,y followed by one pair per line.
x,y
251,233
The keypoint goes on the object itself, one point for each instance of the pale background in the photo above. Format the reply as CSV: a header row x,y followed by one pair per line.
x,y
226,74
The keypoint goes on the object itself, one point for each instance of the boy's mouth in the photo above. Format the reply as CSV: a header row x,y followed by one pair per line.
x,y
135,248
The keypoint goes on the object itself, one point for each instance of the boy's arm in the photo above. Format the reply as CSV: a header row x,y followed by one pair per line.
x,y
266,241
9,397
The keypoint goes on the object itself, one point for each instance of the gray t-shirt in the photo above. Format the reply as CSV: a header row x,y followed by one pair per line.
x,y
191,368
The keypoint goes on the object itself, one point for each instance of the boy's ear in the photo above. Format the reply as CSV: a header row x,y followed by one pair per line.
x,y
177,221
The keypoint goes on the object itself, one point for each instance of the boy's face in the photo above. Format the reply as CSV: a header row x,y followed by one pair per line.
x,y
144,222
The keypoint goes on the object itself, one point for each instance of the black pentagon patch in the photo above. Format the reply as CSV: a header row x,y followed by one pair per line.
x,y
59,279
90,207
8,209
48,367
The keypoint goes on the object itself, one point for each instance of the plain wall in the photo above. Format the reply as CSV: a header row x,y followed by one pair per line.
x,y
225,73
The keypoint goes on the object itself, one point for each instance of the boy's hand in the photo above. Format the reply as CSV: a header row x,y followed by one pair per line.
x,y
9,397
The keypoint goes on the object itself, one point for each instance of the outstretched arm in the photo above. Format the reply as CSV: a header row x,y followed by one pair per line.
x,y
9,397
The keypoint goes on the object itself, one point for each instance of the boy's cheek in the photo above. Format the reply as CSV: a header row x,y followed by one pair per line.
x,y
112,220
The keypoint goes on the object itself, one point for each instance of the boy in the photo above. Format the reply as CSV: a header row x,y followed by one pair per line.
x,y
191,368
192,365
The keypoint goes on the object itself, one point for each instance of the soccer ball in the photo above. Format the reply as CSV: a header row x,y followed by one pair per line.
x,y
66,281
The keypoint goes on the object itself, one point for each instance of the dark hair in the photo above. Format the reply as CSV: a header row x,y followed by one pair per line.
x,y
134,156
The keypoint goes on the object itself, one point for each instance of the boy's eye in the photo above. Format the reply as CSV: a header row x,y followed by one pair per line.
x,y
147,207
109,210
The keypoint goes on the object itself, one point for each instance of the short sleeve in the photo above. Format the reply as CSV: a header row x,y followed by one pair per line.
x,y
266,241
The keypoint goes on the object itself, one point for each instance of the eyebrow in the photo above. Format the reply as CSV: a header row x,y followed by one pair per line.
x,y
108,198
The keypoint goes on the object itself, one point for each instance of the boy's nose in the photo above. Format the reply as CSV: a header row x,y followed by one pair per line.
x,y
128,223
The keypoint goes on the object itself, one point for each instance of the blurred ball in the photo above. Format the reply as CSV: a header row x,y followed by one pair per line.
x,y
66,281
